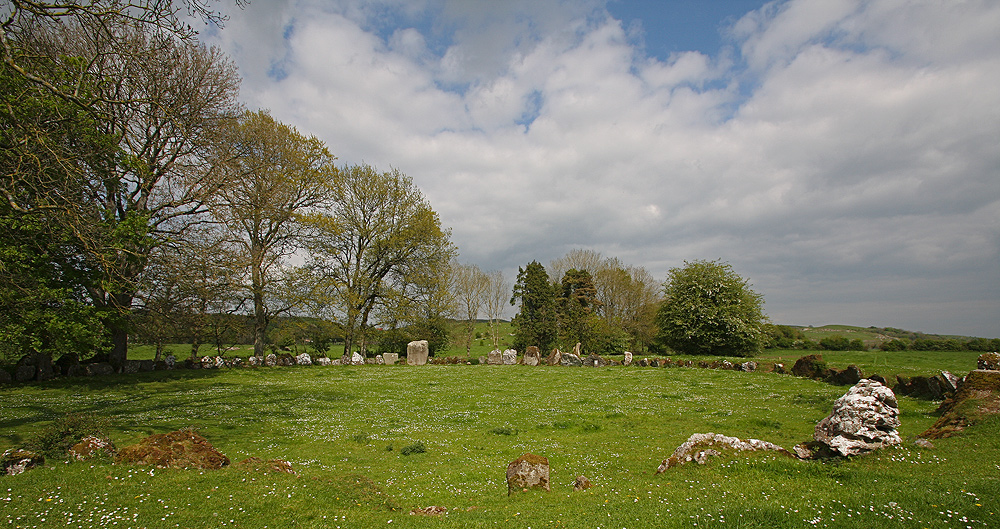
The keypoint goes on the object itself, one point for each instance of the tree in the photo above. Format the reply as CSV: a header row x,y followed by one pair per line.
x,y
470,286
577,302
379,251
711,310
275,175
536,323
153,104
495,301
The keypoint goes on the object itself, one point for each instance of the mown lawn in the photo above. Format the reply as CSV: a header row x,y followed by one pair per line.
x,y
345,427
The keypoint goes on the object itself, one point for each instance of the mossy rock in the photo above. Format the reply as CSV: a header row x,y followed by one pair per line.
x,y
977,398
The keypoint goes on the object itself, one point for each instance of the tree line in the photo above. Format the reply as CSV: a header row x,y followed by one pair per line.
x,y
138,192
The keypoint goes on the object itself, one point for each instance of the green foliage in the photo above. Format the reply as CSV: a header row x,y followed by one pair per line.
x,y
709,309
894,345
576,303
536,321
56,439
415,448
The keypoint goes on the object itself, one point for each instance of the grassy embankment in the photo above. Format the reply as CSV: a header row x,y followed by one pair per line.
x,y
344,429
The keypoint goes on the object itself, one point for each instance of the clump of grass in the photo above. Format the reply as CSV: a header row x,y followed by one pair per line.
x,y
415,448
361,438
56,439
591,427
503,430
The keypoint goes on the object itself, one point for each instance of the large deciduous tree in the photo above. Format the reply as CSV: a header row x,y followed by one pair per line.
x,y
469,286
274,177
153,103
379,250
711,310
536,322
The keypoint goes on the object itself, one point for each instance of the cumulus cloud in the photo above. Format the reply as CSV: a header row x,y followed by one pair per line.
x,y
842,156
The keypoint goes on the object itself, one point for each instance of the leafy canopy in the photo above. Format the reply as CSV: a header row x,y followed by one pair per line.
x,y
711,310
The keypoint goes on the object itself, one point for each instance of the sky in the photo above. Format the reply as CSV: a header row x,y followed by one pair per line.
x,y
841,155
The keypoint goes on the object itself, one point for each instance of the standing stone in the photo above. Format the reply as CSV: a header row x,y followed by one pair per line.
x,y
253,361
577,349
357,359
570,360
532,357
380,360
555,357
526,472
949,382
748,367
495,358
594,360
509,357
417,352
24,373
171,361
323,361
390,359
100,369
304,359
864,419
271,360
220,362
628,359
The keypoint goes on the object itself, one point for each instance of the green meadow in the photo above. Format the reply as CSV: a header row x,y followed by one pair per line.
x,y
354,435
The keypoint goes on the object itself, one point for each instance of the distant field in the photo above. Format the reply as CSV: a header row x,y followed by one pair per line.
x,y
344,429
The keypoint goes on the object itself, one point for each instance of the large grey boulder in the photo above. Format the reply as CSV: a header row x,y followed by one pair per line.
x,y
495,357
390,359
864,419
509,357
417,352
271,360
358,360
570,360
304,359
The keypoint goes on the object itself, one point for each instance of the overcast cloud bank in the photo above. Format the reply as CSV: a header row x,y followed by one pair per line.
x,y
842,155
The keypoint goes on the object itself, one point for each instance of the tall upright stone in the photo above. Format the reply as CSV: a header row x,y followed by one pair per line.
x,y
628,359
532,357
417,352
509,357
495,358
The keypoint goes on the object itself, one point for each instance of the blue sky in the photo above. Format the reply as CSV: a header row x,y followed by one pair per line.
x,y
840,154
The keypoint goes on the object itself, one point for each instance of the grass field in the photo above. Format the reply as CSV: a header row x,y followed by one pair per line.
x,y
345,430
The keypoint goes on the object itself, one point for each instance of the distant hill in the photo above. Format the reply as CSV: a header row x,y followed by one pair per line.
x,y
876,336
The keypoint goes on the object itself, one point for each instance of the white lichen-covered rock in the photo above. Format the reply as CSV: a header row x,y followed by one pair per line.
x,y
271,360
864,419
323,361
495,357
417,352
357,359
628,359
304,359
220,362
509,357
700,446
254,361
170,360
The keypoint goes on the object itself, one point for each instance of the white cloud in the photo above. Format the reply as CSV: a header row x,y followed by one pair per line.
x,y
850,148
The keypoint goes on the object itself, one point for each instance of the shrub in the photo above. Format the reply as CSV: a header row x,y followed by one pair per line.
x,y
415,448
711,310
56,439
